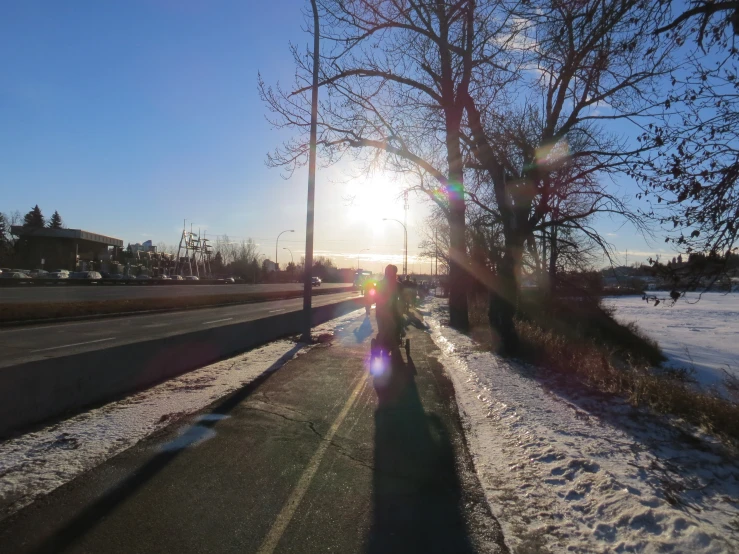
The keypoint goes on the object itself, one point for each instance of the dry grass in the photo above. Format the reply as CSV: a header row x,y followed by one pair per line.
x,y
27,312
621,363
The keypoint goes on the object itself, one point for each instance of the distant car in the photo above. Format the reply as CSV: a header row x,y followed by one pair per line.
x,y
58,275
192,278
15,275
229,280
163,278
116,276
85,275
177,278
142,277
39,274
315,281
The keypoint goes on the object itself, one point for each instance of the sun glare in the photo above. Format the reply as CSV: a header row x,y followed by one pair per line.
x,y
372,200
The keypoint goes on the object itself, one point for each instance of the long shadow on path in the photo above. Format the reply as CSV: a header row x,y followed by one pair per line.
x,y
416,489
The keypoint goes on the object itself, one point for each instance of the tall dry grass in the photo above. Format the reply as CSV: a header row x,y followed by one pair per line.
x,y
589,347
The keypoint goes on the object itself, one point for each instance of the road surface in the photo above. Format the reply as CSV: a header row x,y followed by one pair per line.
x,y
24,344
62,293
319,457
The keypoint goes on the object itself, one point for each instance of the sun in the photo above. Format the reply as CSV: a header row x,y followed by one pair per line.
x,y
372,199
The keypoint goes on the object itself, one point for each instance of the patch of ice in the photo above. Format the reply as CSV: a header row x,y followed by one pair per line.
x,y
567,471
36,463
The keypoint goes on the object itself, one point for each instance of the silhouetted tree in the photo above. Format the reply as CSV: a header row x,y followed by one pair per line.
x,y
34,218
218,262
56,221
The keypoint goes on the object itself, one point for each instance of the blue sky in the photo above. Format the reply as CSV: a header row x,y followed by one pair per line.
x,y
129,117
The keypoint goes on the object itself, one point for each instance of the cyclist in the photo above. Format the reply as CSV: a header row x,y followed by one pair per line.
x,y
389,317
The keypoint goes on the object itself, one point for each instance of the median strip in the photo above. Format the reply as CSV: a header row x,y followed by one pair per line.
x,y
20,313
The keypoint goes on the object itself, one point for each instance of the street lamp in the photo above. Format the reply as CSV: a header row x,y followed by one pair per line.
x,y
310,219
360,252
405,244
278,240
292,260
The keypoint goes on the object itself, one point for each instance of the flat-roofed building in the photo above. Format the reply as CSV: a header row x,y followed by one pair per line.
x,y
62,248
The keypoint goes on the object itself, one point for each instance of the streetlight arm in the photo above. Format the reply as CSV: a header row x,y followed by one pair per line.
x,y
277,242
405,243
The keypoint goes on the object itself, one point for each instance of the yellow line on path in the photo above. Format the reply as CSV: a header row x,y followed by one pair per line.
x,y
288,510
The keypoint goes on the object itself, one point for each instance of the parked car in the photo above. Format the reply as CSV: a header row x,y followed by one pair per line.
x,y
59,275
315,281
39,274
142,277
163,278
85,275
229,280
15,275
177,278
192,278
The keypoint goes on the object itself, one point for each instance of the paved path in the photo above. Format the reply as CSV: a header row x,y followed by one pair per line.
x,y
64,293
37,342
321,456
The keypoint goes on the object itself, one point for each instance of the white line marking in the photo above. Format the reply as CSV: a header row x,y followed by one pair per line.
x,y
217,320
70,345
288,510
273,311
150,326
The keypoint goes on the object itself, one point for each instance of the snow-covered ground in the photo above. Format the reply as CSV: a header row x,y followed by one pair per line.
x,y
701,334
34,464
567,471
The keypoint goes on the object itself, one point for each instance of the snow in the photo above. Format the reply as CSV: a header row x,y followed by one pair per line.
x,y
695,334
34,464
567,471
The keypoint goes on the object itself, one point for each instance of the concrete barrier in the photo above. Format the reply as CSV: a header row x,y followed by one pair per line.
x,y
35,392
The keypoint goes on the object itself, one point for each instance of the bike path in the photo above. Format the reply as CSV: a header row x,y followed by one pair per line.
x,y
321,456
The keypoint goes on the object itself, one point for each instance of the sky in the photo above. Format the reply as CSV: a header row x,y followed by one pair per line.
x,y
132,117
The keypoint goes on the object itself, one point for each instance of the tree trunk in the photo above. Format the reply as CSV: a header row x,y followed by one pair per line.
x,y
458,317
553,262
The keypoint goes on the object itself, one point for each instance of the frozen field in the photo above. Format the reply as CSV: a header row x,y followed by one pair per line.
x,y
703,334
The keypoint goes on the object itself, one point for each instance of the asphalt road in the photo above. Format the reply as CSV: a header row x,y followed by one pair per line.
x,y
322,456
62,293
24,344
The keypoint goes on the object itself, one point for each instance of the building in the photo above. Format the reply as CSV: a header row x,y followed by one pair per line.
x,y
146,246
71,249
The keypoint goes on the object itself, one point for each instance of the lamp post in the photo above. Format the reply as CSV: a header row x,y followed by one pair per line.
x,y
277,241
360,252
405,244
309,224
292,260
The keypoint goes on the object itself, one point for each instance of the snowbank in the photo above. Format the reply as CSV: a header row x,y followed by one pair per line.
x,y
36,463
692,334
564,471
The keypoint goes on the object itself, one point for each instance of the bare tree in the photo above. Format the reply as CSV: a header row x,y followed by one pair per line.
x,y
548,150
397,74
691,178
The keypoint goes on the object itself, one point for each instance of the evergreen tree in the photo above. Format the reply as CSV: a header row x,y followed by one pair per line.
x,y
6,245
4,233
56,221
34,218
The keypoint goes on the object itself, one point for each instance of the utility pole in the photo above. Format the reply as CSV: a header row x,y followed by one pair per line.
x,y
436,250
309,224
405,228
